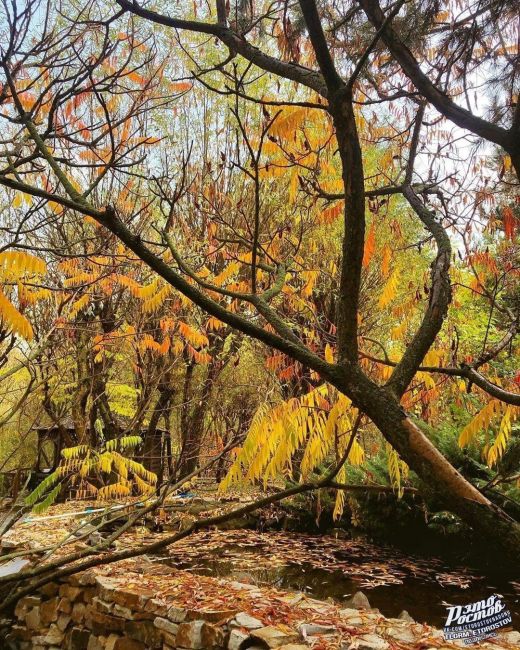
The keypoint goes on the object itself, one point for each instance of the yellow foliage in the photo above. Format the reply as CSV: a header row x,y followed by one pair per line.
x,y
498,447
154,302
113,491
17,264
389,290
481,421
276,433
385,262
12,319
229,271
397,470
289,121
339,505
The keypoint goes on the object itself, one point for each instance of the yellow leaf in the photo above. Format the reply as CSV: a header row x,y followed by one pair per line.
x,y
12,319
17,201
480,422
389,290
329,355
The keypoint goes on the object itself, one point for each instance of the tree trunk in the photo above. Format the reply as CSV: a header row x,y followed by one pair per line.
x,y
456,493
152,452
81,395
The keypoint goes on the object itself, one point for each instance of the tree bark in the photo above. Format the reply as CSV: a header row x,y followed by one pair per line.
x,y
456,493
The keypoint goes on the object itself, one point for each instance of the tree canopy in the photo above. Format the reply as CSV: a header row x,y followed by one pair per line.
x,y
293,225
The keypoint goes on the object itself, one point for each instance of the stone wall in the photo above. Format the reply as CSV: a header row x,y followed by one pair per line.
x,y
96,611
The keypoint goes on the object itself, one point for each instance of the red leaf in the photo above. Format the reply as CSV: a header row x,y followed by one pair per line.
x,y
509,223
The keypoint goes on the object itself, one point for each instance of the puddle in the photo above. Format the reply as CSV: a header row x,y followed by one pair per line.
x,y
326,567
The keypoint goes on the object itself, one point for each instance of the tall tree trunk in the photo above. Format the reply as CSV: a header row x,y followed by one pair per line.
x,y
193,433
152,450
100,404
81,395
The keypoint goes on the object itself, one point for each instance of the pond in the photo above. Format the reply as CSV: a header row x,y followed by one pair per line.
x,y
330,567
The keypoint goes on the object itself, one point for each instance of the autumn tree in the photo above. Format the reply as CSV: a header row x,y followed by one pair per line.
x,y
357,105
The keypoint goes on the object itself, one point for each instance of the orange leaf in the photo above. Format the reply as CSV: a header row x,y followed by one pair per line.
x,y
330,214
385,262
370,246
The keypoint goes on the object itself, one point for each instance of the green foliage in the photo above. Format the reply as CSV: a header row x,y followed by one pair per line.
x,y
45,489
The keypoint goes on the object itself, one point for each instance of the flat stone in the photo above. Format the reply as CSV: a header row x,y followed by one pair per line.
x,y
102,606
125,643
236,638
210,616
102,623
19,632
50,589
135,599
513,638
106,587
111,641
88,594
168,639
189,635
402,634
54,636
144,631
312,629
157,606
78,639
83,578
123,612
65,606
351,616
274,637
78,612
166,625
212,636
49,611
367,642
10,543
242,619
25,604
94,643
72,593
293,599
63,621
32,619
176,614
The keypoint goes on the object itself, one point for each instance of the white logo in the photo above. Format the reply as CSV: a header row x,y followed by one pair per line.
x,y
477,621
